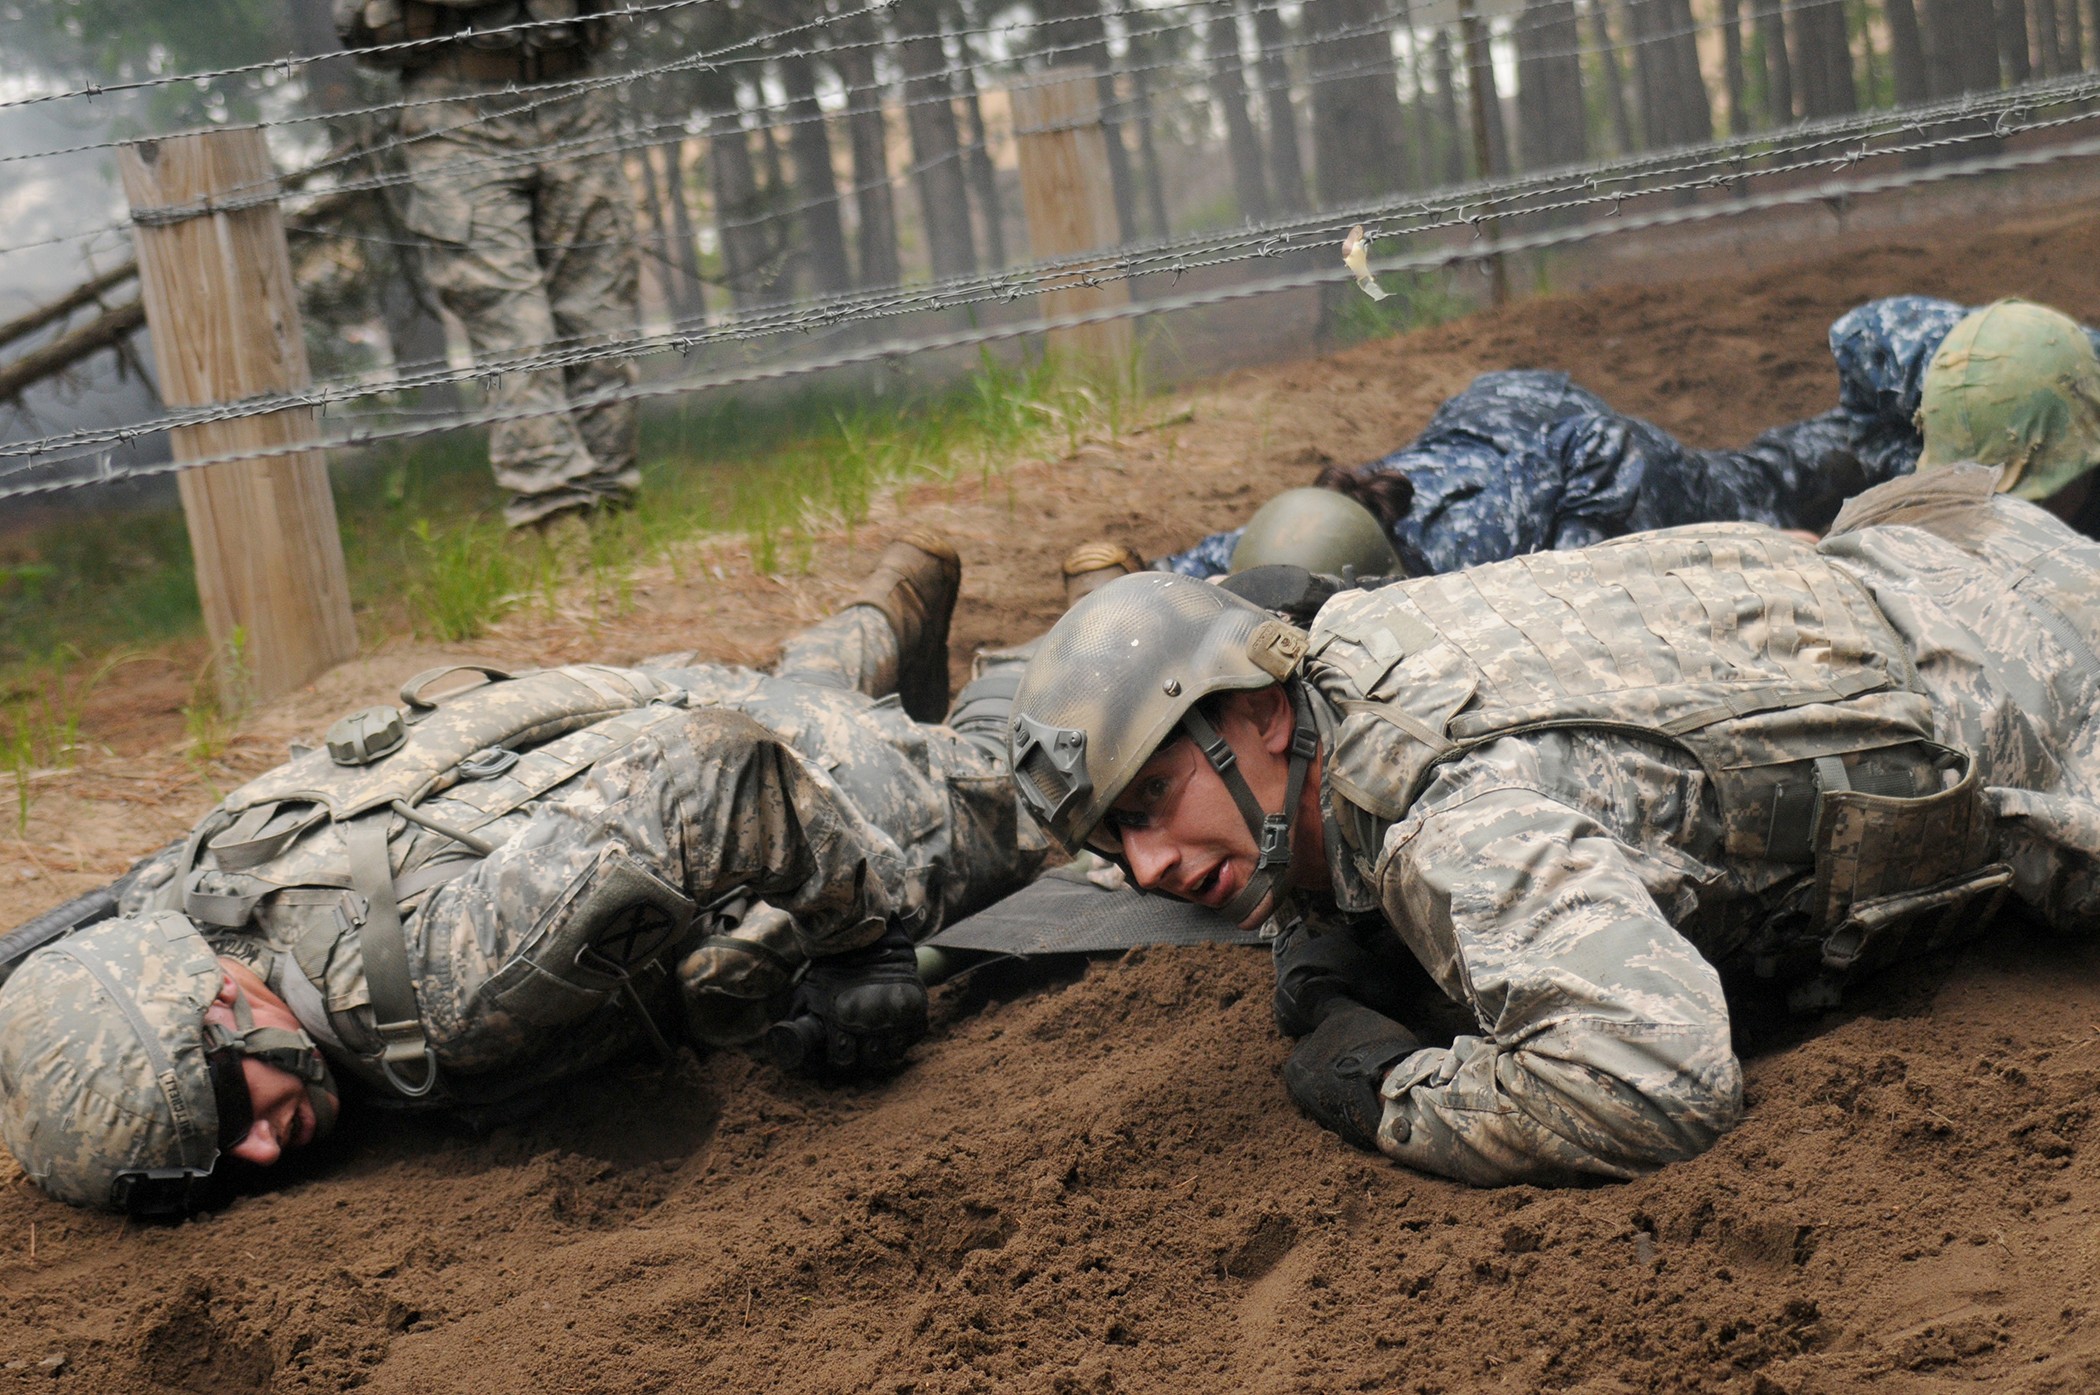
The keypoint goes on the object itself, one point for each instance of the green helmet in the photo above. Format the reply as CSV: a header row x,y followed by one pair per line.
x,y
114,1091
1120,675
1319,530
2015,385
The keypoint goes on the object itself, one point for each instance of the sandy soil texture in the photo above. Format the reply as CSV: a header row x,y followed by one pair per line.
x,y
1096,1183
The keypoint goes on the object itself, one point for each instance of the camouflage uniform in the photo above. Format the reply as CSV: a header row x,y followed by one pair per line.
x,y
552,953
528,235
1584,889
1525,461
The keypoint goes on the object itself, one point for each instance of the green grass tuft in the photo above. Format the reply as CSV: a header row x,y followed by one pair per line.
x,y
427,551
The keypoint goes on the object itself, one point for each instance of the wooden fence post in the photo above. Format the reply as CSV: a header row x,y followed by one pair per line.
x,y
1071,203
224,322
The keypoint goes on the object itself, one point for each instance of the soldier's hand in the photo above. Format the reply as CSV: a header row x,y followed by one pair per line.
x,y
858,1012
1335,1073
1317,972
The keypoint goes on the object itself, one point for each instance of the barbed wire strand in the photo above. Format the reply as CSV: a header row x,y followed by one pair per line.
x,y
1831,193
550,92
1467,207
1508,198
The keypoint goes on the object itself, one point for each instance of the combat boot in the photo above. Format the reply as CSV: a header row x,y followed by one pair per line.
x,y
1092,565
914,587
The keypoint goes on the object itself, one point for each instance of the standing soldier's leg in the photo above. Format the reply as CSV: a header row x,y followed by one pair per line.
x,y
482,258
585,229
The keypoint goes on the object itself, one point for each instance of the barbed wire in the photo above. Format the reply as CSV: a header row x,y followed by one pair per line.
x,y
1467,207
560,87
1831,193
1002,288
550,92
1172,254
1436,209
547,93
627,11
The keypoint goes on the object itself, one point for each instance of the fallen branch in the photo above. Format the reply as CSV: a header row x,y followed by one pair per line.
x,y
105,331
84,294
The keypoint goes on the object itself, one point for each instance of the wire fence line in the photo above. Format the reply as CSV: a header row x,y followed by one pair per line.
x,y
1694,169
773,115
100,469
1463,206
94,469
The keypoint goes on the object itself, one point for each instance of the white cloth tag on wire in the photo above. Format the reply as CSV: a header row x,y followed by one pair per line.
x,y
1356,255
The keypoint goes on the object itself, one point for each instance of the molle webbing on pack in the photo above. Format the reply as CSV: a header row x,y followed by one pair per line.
x,y
1739,645
519,713
488,750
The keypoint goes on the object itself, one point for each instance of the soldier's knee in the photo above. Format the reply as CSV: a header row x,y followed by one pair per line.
x,y
984,706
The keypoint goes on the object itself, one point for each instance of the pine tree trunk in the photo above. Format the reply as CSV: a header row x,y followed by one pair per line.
x,y
936,145
2051,44
1481,69
1548,31
1825,45
1732,66
1695,112
1450,147
1648,87
1907,53
738,205
1779,69
1353,102
1421,164
1148,150
2012,40
1286,164
1615,77
1810,74
816,187
656,261
984,180
1228,88
876,237
692,296
1981,50
2074,38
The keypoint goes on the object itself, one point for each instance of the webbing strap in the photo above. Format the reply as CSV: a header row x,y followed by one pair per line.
x,y
1272,832
385,950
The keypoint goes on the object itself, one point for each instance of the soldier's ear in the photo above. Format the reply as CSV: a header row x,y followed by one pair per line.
x,y
1269,710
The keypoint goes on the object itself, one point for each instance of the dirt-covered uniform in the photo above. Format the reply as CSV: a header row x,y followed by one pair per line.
x,y
518,193
1583,787
617,807
1526,461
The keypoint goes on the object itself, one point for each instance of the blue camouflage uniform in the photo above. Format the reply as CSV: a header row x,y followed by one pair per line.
x,y
1525,461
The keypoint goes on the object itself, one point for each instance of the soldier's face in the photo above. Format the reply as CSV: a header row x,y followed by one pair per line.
x,y
284,1116
1180,829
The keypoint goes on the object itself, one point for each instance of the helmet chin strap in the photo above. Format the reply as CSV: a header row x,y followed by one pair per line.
x,y
1272,832
287,1050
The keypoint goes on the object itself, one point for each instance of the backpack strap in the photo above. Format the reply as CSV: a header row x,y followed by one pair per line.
x,y
385,948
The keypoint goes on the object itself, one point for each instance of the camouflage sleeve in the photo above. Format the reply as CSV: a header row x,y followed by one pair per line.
x,y
707,802
1603,1046
1209,558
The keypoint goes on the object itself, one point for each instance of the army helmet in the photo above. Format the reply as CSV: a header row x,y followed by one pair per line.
x,y
1319,530
114,1091
2016,385
1114,679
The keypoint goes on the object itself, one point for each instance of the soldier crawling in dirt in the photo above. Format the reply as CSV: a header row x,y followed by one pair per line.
x,y
1522,461
518,195
1591,792
516,884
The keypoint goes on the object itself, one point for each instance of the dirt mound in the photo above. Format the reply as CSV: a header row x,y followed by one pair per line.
x,y
1097,1183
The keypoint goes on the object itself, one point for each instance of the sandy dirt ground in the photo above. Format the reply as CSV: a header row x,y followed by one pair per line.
x,y
1097,1183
